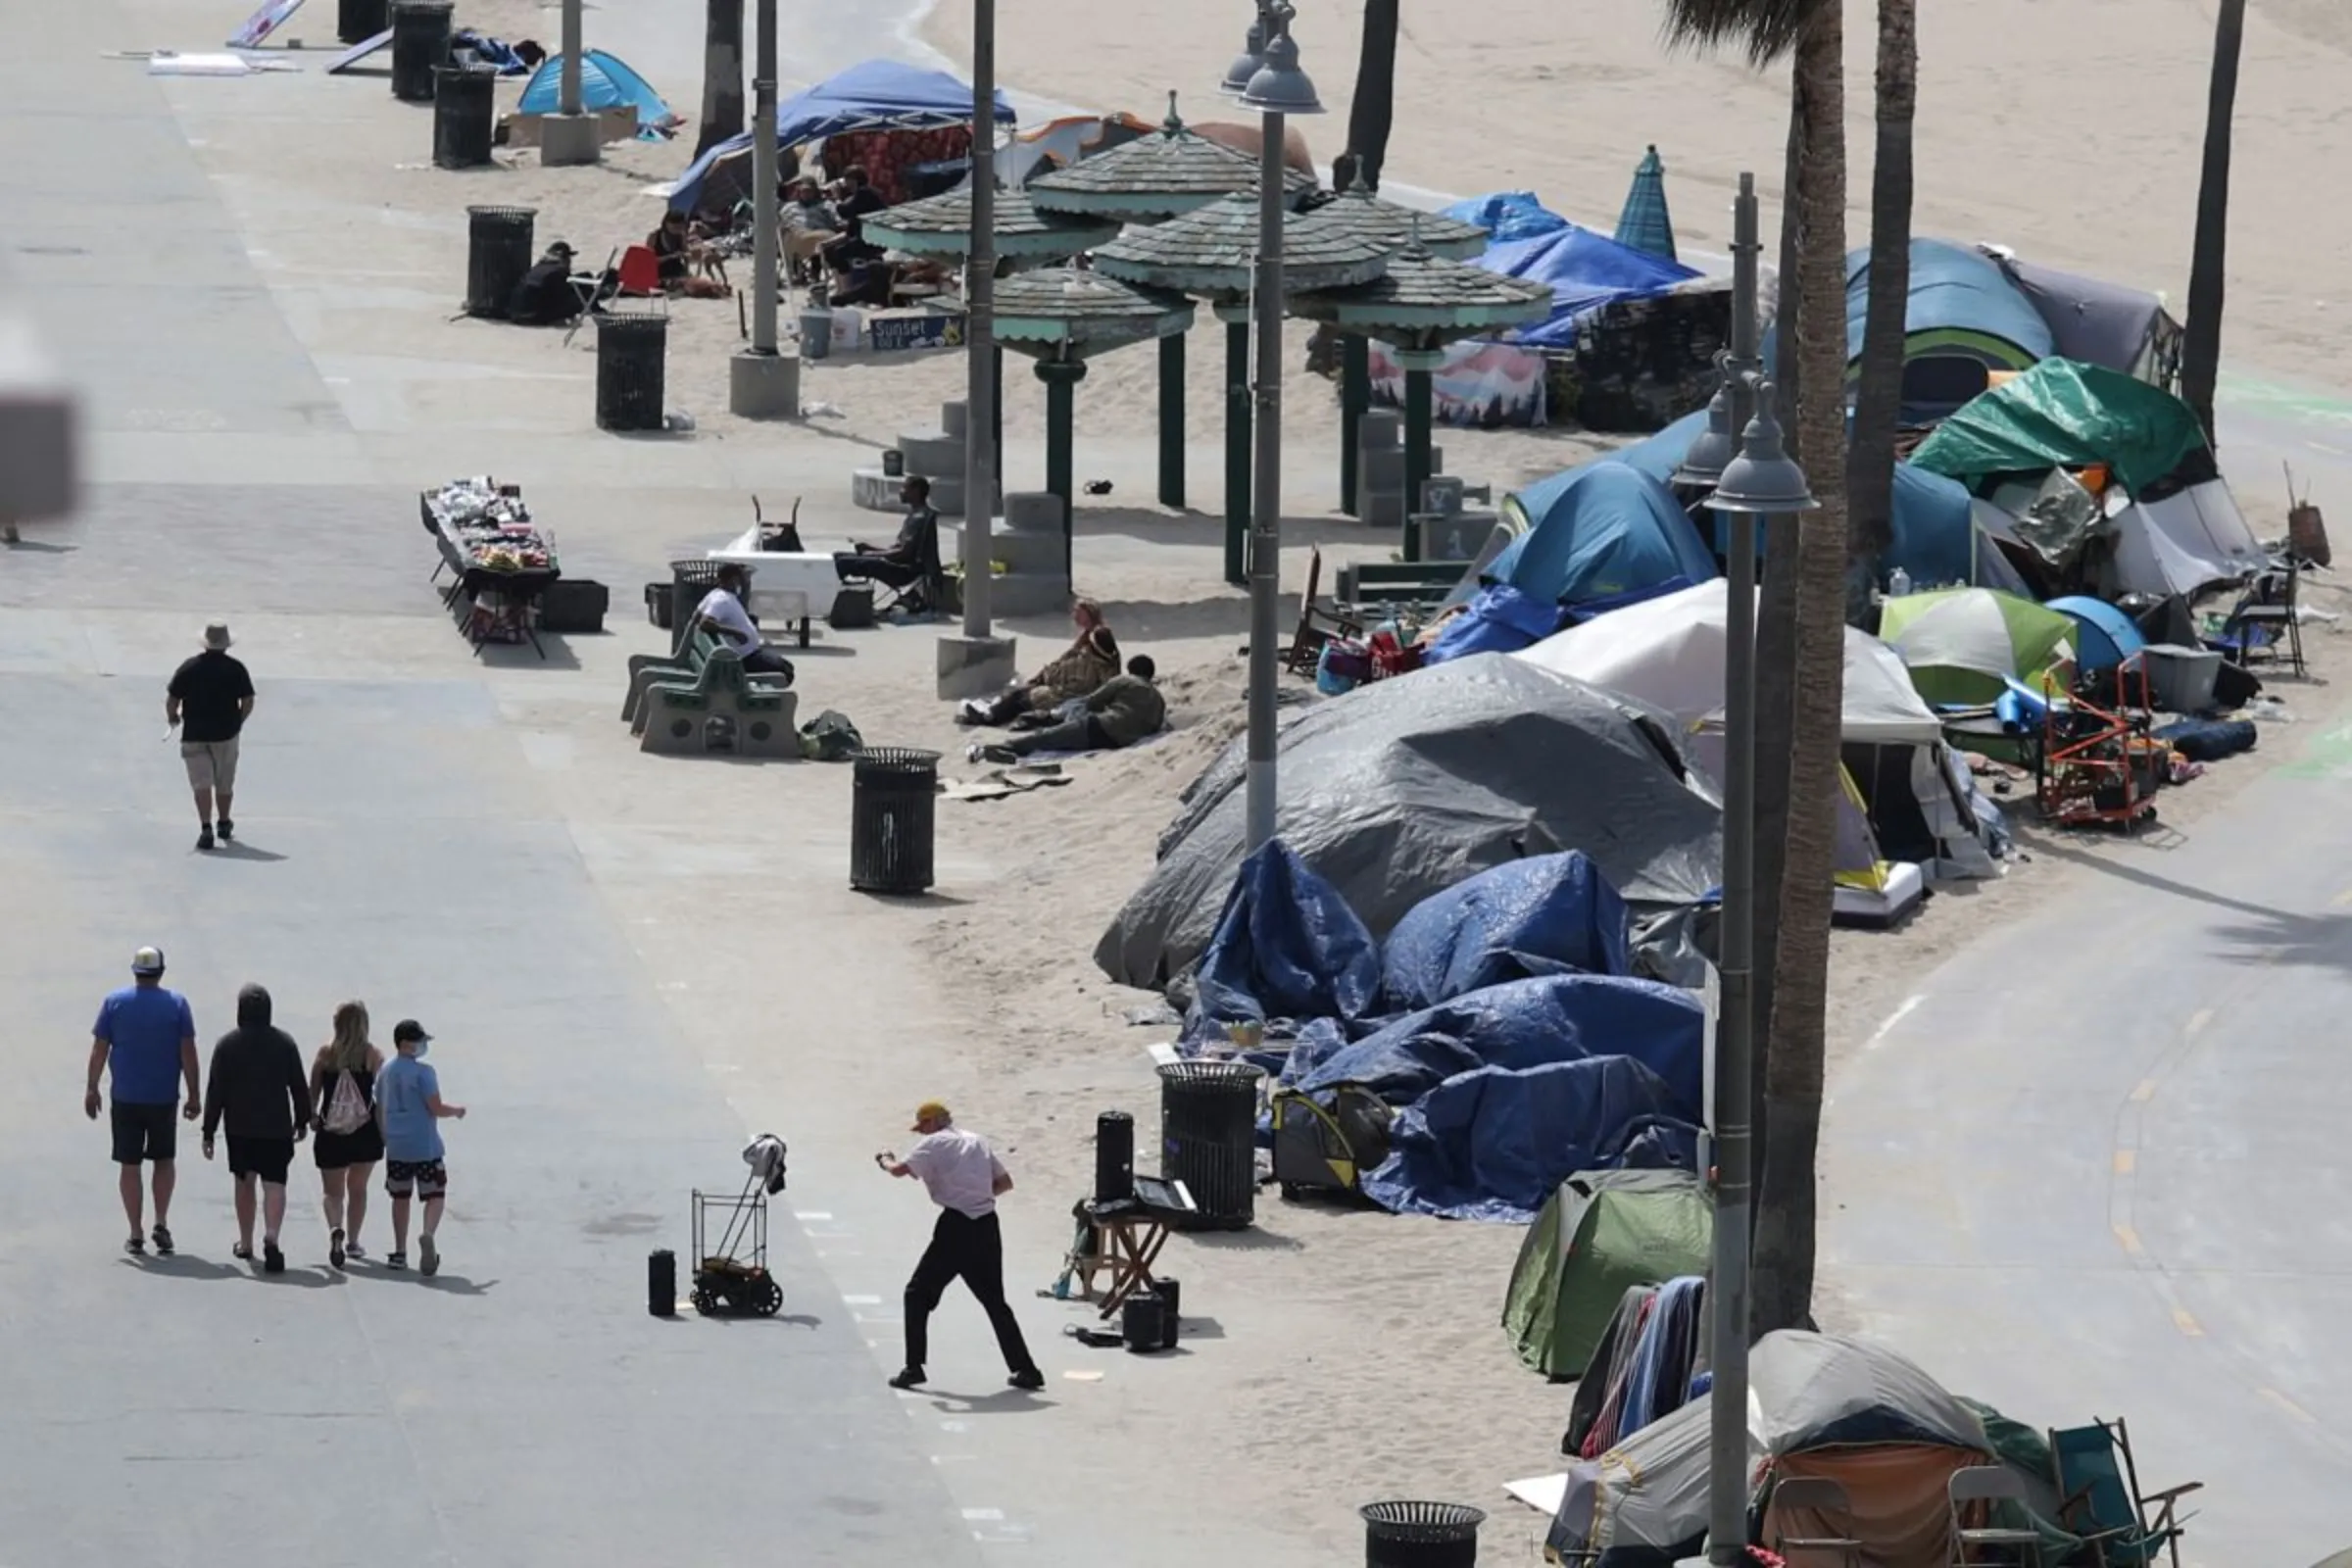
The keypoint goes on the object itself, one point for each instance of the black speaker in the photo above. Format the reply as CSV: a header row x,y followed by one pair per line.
x,y
662,1283
1171,1297
1143,1323
1114,1158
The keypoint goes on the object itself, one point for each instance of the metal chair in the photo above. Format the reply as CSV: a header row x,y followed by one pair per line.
x,y
2101,1482
1814,1494
1988,1484
2265,626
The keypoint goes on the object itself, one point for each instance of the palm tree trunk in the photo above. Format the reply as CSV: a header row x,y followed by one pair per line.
x,y
2201,350
1793,1062
1373,111
723,74
1878,407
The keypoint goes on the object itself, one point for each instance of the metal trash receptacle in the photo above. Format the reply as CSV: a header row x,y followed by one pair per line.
x,y
358,20
893,799
464,110
1421,1535
498,251
689,582
631,357
420,31
1209,1139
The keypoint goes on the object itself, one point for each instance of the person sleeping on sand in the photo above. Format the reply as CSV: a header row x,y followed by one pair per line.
x,y
1089,661
1122,711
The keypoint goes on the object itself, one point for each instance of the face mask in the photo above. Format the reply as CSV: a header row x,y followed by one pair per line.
x,y
419,1048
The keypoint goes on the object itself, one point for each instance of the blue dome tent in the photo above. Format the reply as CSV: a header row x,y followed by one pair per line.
x,y
2104,636
1601,532
1584,270
606,82
877,95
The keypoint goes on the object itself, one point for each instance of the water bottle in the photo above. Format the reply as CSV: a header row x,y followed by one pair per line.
x,y
1898,583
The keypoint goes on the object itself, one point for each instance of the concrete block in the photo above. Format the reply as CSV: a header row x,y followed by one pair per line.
x,y
975,667
875,491
1020,594
952,420
764,386
1033,511
1018,552
1380,428
1381,509
570,140
934,457
1381,469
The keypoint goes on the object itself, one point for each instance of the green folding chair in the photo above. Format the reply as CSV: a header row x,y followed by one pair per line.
x,y
2100,1484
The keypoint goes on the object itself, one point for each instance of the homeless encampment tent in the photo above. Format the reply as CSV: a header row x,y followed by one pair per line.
x,y
1410,785
1965,645
1965,319
1546,914
2102,323
1601,1234
1508,215
1857,1413
606,82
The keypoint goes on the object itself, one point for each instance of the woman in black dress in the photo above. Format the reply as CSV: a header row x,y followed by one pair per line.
x,y
349,1141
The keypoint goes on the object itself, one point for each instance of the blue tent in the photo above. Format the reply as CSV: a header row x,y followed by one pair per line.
x,y
606,82
1960,300
878,95
1600,532
1584,270
1508,215
2104,636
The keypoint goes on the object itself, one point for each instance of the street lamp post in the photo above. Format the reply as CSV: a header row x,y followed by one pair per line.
x,y
1277,90
1757,481
569,136
763,382
980,330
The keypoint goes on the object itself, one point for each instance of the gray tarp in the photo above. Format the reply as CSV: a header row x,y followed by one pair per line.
x,y
1405,788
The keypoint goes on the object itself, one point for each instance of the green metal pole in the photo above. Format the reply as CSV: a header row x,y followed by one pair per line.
x,y
1171,420
1417,421
1061,378
1238,449
1355,396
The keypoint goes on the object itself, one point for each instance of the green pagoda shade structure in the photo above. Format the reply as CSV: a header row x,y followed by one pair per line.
x,y
942,226
1164,175
1213,252
1420,305
1059,316
1645,224
1357,212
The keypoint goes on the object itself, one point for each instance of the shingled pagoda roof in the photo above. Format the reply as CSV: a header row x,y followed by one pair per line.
x,y
1214,251
1068,310
1356,210
1169,173
1423,301
942,226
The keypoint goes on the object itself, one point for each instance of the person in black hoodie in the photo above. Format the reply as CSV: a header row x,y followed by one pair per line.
x,y
261,1087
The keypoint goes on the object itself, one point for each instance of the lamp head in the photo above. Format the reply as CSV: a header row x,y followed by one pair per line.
x,y
1247,63
1280,87
1762,481
1712,451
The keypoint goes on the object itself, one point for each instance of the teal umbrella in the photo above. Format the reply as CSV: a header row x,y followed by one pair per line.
x,y
1645,224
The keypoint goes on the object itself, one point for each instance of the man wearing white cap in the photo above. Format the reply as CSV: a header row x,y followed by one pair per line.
x,y
207,702
145,1039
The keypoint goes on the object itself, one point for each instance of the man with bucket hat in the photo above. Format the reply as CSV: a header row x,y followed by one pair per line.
x,y
145,1041
208,702
965,1179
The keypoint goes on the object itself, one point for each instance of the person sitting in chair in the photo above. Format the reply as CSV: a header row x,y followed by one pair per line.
x,y
1122,711
810,223
905,560
546,296
674,246
1085,666
855,200
721,613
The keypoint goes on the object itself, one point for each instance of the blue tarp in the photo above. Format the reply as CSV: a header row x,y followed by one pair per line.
x,y
877,95
1287,947
1584,270
1507,214
1530,917
1494,1145
2104,636
1599,531
606,82
1499,619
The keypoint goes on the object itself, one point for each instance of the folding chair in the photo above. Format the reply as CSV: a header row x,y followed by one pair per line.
x,y
2103,1503
1819,1496
1317,626
2265,622
588,288
918,589
641,272
1972,1491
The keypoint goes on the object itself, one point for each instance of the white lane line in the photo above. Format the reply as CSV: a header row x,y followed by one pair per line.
x,y
2145,1093
983,1516
805,1216
861,1301
2198,1019
2186,1324
1896,1016
2288,1405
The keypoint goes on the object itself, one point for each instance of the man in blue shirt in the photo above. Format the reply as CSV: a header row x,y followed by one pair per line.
x,y
408,1104
145,1037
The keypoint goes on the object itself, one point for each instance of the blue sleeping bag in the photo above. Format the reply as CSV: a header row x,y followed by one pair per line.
x,y
1546,914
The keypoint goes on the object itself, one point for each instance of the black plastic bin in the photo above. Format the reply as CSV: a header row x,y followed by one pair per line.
x,y
420,47
464,107
894,796
358,20
1114,1158
631,355
689,582
1209,1139
662,1283
498,251
1421,1535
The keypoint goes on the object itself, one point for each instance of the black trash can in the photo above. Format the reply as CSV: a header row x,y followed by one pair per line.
x,y
1114,1158
631,352
1209,1139
498,251
1421,1535
689,582
465,106
893,795
419,45
358,20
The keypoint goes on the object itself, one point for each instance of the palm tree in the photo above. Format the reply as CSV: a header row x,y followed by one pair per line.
x,y
1813,335
1373,110
2201,352
1878,404
723,74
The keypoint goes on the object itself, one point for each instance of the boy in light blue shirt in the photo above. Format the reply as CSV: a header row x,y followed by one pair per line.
x,y
410,1107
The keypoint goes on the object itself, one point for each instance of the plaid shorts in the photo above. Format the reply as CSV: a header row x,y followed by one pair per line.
x,y
424,1178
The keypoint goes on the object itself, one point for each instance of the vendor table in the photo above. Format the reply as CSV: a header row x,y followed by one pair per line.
x,y
1126,1244
797,585
500,562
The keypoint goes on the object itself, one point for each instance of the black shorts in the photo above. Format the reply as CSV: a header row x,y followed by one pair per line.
x,y
363,1146
266,1157
422,1177
145,1132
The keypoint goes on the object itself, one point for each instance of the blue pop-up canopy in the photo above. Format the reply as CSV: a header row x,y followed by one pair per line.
x,y
1584,270
878,95
606,82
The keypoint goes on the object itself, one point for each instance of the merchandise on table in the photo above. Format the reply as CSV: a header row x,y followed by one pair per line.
x,y
488,527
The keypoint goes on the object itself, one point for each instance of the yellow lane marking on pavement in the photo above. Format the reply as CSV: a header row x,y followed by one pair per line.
x,y
2186,1324
2288,1405
2198,1019
2340,901
2125,1159
2145,1091
2129,1238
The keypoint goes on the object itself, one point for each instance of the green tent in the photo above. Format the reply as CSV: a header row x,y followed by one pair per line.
x,y
1602,1234
2063,414
1962,645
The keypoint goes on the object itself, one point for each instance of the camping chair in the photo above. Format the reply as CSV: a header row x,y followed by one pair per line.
x,y
1816,1494
920,589
588,288
1317,625
1985,1485
641,271
2103,1500
2265,622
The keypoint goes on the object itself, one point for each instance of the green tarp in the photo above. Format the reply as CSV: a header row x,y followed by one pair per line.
x,y
1600,1235
2064,414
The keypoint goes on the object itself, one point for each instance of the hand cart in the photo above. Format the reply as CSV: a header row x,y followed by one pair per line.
x,y
2099,765
731,1277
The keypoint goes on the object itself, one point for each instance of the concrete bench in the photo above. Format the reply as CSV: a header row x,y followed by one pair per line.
x,y
648,670
721,709
1399,582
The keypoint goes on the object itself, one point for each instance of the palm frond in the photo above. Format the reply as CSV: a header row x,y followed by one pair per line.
x,y
1765,31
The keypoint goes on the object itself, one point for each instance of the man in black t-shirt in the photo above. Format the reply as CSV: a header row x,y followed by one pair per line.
x,y
207,702
855,201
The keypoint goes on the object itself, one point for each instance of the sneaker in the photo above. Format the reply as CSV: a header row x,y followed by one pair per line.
x,y
1029,1381
429,1256
274,1262
908,1378
396,1260
204,840
240,1252
355,1249
1001,756
136,1247
334,1248
971,753
228,830
162,1242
